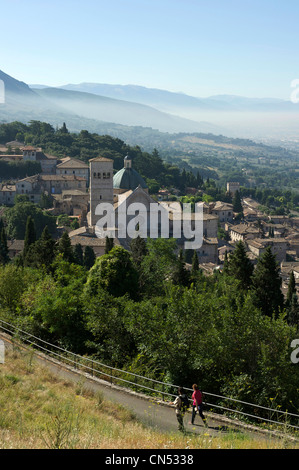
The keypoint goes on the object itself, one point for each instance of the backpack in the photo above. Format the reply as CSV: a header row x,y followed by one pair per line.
x,y
184,402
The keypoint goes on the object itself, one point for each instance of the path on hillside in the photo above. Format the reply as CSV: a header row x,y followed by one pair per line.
x,y
159,416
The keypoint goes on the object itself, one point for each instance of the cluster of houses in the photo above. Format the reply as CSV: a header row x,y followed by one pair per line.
x,y
76,188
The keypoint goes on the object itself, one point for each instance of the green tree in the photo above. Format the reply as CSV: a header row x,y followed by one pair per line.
x,y
239,265
237,204
55,304
181,275
225,263
88,257
291,303
65,247
115,273
16,220
109,243
266,284
138,249
41,253
105,322
4,258
291,289
46,201
158,266
195,264
13,283
30,235
78,254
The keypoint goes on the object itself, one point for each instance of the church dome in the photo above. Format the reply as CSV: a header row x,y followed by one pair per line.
x,y
127,178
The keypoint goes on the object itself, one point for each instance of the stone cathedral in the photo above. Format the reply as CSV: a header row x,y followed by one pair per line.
x,y
126,188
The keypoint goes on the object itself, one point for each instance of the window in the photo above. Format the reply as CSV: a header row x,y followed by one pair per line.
x,y
99,175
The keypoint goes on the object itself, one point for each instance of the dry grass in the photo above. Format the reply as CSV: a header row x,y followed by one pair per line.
x,y
40,411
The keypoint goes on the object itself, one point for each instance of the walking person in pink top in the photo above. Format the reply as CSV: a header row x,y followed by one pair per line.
x,y
197,404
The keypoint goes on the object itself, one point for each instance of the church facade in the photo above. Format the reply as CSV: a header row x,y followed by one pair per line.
x,y
133,211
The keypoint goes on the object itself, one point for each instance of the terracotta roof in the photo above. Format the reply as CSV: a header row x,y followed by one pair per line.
x,y
72,163
16,245
101,159
88,241
61,178
243,228
264,242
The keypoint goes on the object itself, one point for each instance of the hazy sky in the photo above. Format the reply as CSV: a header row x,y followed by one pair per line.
x,y
202,48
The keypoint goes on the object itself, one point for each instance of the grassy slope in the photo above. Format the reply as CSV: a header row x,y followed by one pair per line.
x,y
38,410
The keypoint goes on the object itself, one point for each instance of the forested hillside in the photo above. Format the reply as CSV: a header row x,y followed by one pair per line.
x,y
85,145
144,312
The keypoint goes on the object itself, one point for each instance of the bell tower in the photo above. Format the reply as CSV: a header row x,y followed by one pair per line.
x,y
100,186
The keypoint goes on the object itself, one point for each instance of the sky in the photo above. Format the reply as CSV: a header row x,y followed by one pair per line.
x,y
201,48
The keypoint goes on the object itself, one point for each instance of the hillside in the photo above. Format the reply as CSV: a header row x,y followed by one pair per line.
x,y
268,119
118,111
170,101
41,411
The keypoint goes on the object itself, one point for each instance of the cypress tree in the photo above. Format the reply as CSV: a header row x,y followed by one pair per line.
x,y
138,250
293,312
195,264
181,275
266,284
30,235
89,257
240,266
65,247
291,304
78,254
4,258
109,244
42,252
237,205
225,263
291,289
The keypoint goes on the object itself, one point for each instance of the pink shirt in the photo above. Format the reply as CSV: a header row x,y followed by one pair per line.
x,y
197,396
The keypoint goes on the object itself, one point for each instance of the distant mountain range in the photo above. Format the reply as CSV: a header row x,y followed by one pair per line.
x,y
171,101
121,110
86,110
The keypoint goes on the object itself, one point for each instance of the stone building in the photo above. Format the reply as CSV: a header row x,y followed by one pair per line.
x,y
278,246
223,211
48,163
7,194
242,232
73,166
133,209
128,178
34,186
100,185
232,187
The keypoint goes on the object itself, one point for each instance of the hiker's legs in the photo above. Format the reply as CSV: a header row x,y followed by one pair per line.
x,y
202,415
193,413
180,421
